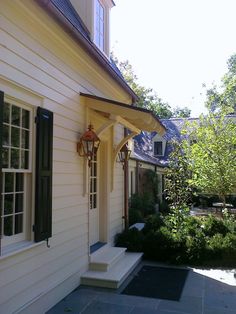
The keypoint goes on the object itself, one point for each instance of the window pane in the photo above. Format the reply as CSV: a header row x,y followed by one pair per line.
x,y
101,28
15,137
9,182
91,201
25,139
8,204
5,154
19,203
24,159
5,136
101,12
18,223
95,201
91,185
6,112
19,182
8,226
97,7
158,148
25,119
15,116
15,158
95,185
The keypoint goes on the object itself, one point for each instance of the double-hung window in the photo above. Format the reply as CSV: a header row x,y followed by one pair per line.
x,y
16,171
25,173
99,25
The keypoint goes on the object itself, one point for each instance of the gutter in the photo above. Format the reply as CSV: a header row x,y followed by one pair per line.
x,y
89,46
147,162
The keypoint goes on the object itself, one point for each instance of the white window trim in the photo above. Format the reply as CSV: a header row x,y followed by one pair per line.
x,y
159,155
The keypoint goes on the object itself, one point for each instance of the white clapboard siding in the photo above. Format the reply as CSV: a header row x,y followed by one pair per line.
x,y
47,68
32,291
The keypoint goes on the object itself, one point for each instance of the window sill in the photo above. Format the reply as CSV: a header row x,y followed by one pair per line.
x,y
19,247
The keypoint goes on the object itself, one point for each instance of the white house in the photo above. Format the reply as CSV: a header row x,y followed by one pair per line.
x,y
56,78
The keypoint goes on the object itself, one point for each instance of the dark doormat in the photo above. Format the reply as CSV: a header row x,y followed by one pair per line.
x,y
157,282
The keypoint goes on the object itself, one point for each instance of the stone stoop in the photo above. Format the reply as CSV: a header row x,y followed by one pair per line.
x,y
110,267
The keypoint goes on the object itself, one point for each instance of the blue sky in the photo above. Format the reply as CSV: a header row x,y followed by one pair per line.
x,y
175,46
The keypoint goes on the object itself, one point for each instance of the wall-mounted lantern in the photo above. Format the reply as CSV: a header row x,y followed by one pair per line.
x,y
88,144
124,153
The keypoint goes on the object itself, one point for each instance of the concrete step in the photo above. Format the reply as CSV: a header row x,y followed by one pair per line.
x,y
114,276
106,258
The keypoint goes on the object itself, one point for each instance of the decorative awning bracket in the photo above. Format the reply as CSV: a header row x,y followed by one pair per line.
x,y
115,153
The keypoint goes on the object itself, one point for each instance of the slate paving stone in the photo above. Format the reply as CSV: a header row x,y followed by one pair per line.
x,y
75,302
190,305
98,307
219,296
200,295
129,300
218,311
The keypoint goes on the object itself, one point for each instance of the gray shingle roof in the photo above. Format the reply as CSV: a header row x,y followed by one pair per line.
x,y
67,9
143,142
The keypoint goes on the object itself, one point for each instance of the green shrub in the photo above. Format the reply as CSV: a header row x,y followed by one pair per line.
x,y
163,245
132,239
153,223
195,248
135,216
143,203
164,207
191,226
213,225
206,241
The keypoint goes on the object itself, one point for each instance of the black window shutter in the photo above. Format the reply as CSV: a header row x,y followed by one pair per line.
x,y
1,128
43,186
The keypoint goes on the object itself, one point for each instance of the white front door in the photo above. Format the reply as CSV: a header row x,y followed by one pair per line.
x,y
93,203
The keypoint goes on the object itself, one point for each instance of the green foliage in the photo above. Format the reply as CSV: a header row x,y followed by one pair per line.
x,y
181,112
135,216
212,155
177,178
178,189
153,223
140,206
224,97
214,225
164,207
147,96
152,184
162,246
206,241
220,248
132,239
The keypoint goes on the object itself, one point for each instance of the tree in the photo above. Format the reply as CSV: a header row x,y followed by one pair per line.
x,y
224,97
177,178
177,186
147,96
181,112
212,154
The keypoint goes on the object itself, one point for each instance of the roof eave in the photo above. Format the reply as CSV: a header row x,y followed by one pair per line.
x,y
89,46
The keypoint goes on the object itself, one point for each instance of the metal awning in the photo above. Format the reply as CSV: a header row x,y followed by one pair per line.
x,y
140,118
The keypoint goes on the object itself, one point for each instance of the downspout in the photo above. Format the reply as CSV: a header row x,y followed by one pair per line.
x,y
126,193
126,189
137,178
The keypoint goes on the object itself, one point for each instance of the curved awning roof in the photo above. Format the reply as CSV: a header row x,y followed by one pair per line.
x,y
140,118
